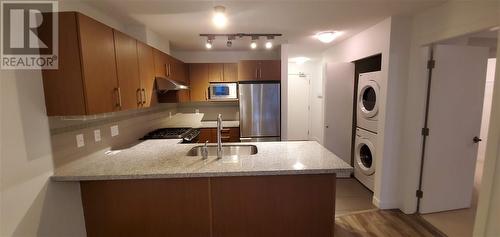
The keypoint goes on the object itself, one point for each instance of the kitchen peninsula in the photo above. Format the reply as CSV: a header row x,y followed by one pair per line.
x,y
154,188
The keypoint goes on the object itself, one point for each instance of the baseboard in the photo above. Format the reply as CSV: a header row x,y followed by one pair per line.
x,y
384,205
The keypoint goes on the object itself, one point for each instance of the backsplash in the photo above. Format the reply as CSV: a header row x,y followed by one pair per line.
x,y
132,125
229,110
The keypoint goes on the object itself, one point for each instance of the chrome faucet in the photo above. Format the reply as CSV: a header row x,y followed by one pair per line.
x,y
219,136
204,151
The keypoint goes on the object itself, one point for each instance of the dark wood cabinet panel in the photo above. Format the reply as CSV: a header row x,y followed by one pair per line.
x,y
248,70
259,70
300,205
230,72
127,67
215,72
227,135
207,134
198,76
270,70
63,87
148,207
147,74
99,65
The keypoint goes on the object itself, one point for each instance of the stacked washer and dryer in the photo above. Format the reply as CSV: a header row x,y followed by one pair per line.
x,y
366,128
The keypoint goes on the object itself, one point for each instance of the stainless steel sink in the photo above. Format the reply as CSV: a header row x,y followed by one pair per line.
x,y
227,150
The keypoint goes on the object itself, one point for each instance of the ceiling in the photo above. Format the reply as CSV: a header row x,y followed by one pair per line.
x,y
182,21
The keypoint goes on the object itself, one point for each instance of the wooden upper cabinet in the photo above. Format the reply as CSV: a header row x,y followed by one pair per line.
x,y
215,72
258,70
99,66
270,70
198,76
230,72
160,62
146,74
248,70
64,93
127,66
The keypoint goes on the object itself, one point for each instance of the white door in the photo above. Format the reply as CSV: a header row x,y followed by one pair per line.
x,y
298,107
454,119
339,93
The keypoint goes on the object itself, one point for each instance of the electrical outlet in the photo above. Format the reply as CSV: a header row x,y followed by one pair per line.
x,y
197,111
114,130
80,141
97,135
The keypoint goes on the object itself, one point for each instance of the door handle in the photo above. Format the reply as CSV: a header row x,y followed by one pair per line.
x,y
476,139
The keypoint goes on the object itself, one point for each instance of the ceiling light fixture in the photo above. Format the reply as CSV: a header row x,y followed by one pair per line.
x,y
208,45
230,40
269,43
219,18
253,45
327,36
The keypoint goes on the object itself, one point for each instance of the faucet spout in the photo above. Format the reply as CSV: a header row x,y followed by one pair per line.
x,y
219,136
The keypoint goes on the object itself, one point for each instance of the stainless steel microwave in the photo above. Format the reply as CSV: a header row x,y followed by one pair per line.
x,y
223,91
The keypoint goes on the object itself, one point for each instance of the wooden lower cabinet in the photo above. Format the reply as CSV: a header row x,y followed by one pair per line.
x,y
288,205
228,135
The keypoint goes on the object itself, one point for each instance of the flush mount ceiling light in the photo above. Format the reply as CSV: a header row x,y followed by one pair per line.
x,y
219,18
299,60
327,36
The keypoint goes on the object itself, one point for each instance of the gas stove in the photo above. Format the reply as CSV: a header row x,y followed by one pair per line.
x,y
188,135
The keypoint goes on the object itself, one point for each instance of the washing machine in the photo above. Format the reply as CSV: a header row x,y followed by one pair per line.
x,y
364,157
368,101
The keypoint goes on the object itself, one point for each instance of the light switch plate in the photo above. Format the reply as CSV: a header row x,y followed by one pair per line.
x,y
80,141
114,130
97,135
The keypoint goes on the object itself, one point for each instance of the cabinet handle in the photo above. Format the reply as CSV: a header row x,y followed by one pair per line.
x,y
221,76
138,96
260,73
143,96
206,96
119,96
256,73
169,70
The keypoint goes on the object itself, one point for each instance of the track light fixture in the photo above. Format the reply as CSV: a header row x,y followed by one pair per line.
x,y
232,37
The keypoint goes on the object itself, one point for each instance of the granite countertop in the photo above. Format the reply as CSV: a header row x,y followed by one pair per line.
x,y
167,159
225,124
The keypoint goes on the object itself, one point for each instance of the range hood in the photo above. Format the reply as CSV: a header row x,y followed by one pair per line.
x,y
164,84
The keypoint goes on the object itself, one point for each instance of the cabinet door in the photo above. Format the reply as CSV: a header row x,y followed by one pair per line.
x,y
215,72
128,71
234,134
63,87
160,62
207,134
248,70
146,74
99,66
270,70
230,72
198,76
184,95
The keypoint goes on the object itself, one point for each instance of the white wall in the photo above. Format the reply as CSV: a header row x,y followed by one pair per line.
x,y
445,21
209,56
30,204
391,38
488,97
284,91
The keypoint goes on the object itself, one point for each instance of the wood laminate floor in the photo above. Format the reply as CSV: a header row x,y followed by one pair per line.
x,y
387,223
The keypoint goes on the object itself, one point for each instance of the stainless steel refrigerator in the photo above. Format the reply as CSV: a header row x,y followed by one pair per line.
x,y
260,111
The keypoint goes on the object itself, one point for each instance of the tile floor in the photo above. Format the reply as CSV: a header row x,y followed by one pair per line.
x,y
458,223
352,197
